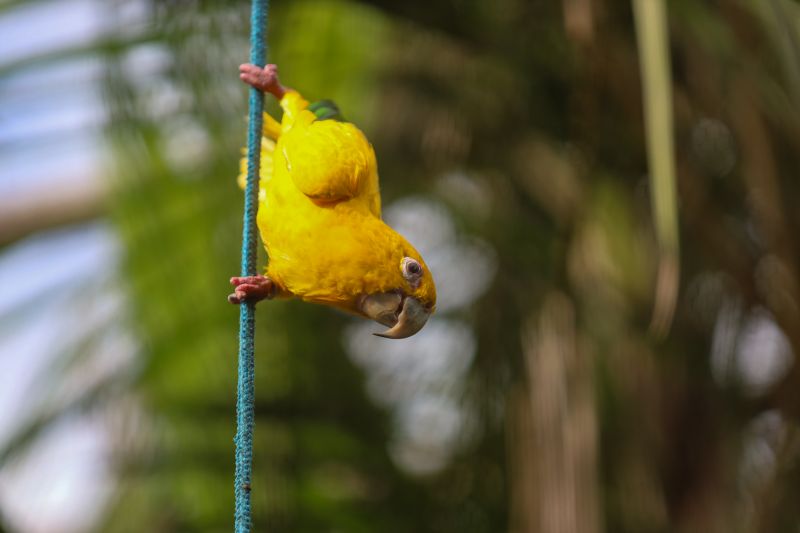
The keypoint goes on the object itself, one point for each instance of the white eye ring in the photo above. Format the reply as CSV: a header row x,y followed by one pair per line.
x,y
411,268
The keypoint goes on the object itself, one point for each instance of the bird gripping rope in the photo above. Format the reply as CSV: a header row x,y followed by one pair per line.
x,y
245,386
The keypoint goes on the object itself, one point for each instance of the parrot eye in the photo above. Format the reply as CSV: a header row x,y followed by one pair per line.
x,y
412,270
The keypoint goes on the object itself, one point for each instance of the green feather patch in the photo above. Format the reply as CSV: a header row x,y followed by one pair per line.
x,y
326,110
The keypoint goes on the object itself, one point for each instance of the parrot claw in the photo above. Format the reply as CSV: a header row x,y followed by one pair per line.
x,y
264,79
251,288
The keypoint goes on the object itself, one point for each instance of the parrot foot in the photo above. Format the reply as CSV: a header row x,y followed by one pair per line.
x,y
264,79
252,289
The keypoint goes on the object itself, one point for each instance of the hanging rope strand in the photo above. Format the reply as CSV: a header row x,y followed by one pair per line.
x,y
245,410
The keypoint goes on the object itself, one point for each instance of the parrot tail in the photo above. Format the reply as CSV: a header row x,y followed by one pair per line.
x,y
271,132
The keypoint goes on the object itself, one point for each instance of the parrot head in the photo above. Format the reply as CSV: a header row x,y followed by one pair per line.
x,y
407,306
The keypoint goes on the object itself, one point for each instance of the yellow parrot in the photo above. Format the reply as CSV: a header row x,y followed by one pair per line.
x,y
319,215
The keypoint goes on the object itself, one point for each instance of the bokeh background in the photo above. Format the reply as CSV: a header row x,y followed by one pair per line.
x,y
607,356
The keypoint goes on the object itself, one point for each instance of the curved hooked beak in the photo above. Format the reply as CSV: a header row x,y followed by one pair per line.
x,y
403,315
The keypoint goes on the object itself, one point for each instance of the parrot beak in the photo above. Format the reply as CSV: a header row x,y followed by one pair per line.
x,y
402,314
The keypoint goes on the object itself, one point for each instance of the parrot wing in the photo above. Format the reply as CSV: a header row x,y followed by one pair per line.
x,y
326,110
329,161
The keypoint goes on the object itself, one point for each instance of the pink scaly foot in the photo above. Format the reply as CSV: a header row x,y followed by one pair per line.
x,y
252,289
264,79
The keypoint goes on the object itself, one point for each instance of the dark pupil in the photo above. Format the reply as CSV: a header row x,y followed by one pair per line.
x,y
413,268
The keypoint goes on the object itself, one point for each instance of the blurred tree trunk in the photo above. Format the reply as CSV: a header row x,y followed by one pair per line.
x,y
553,434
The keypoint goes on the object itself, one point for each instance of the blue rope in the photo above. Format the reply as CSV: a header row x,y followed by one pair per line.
x,y
245,409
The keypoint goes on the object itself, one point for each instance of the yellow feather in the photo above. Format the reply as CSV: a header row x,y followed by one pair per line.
x,y
319,213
